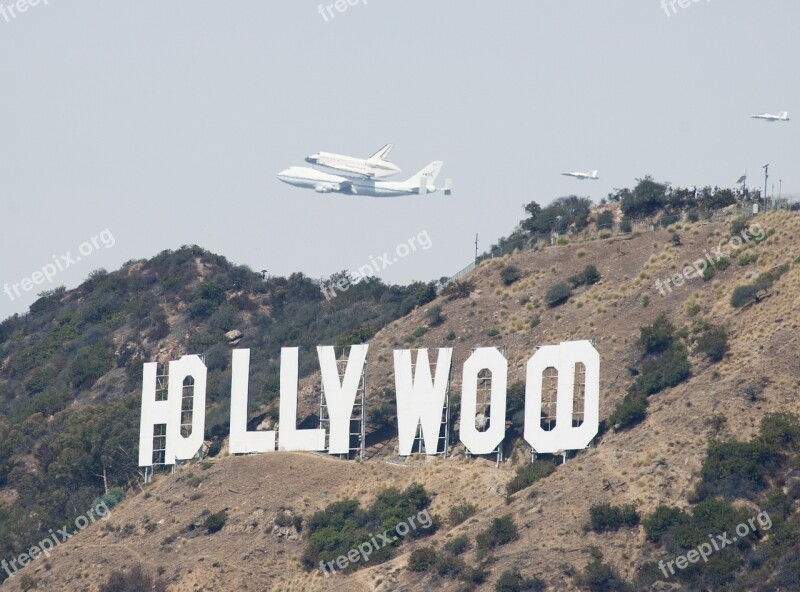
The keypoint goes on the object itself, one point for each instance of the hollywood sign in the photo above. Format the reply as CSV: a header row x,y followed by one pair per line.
x,y
421,402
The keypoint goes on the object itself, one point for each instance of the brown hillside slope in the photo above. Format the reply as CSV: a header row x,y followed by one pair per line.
x,y
657,461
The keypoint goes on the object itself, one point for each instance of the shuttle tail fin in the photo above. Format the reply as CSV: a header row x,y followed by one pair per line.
x,y
785,115
593,175
382,154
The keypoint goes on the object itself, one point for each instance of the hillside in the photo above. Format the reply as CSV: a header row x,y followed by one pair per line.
x,y
657,461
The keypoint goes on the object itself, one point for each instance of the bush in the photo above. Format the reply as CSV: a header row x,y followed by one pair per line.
x,y
512,581
528,474
625,226
588,277
661,520
738,225
663,371
343,525
458,289
747,259
458,545
134,580
600,577
461,512
434,316
557,294
657,337
502,531
631,411
744,294
509,275
215,522
422,559
606,517
605,220
713,343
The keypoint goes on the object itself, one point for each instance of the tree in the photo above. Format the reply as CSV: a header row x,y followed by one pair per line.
x,y
647,198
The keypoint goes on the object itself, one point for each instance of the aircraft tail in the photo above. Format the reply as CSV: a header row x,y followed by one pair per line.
x,y
593,174
382,154
784,115
430,172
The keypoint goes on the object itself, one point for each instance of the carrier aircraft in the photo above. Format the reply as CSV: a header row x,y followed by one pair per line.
x,y
321,182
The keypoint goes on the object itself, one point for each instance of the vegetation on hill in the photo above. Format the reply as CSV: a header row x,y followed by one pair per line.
x,y
71,371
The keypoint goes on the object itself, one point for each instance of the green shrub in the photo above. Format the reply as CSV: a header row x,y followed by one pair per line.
x,y
535,320
461,512
215,522
625,225
434,316
512,581
605,220
527,474
557,294
744,294
509,275
588,277
458,289
722,263
738,225
502,531
450,336
606,517
600,577
668,369
458,545
657,337
631,411
747,259
713,343
133,580
452,567
661,520
422,559
343,525
419,332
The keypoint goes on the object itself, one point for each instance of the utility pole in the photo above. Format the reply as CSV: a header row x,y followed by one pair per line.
x,y
780,188
766,177
476,248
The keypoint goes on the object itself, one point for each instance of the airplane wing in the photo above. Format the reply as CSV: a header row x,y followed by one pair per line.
x,y
342,187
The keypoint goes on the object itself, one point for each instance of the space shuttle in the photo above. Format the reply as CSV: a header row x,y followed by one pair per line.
x,y
374,167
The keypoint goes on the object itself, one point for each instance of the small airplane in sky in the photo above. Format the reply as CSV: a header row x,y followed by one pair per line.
x,y
582,176
321,182
782,116
374,167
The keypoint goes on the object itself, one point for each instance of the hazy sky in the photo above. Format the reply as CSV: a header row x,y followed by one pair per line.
x,y
166,122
